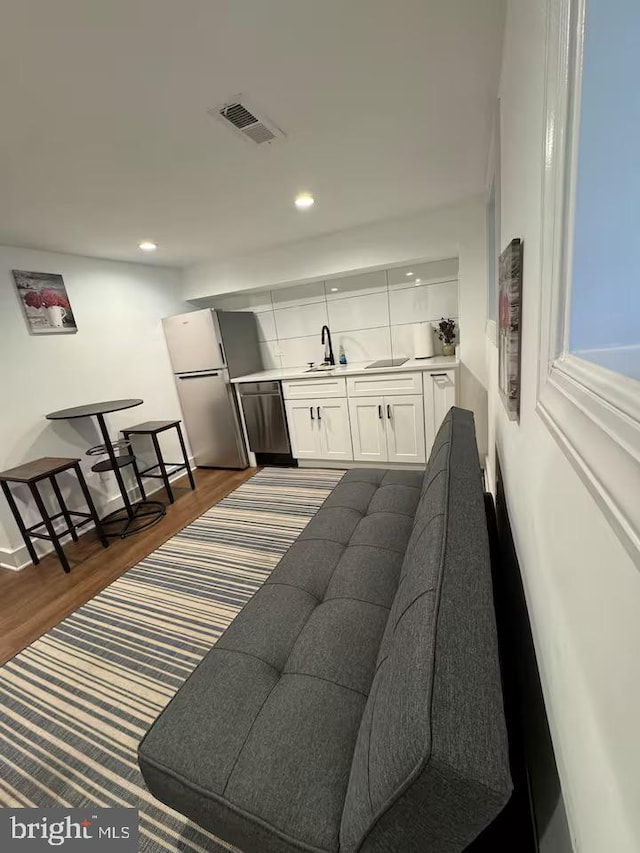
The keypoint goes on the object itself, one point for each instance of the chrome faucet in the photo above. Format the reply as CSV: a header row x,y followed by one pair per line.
x,y
328,348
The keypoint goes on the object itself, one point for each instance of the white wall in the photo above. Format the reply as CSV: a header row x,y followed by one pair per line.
x,y
118,352
582,589
455,231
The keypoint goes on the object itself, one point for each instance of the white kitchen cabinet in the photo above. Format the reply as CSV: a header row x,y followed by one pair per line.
x,y
388,429
318,386
319,429
384,383
405,429
304,429
439,396
335,430
368,429
376,418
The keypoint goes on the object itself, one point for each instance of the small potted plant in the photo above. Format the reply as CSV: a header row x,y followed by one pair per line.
x,y
56,305
446,331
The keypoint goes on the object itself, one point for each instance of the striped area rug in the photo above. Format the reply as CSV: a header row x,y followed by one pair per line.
x,y
75,704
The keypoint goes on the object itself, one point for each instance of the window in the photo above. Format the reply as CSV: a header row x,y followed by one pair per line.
x,y
588,388
605,298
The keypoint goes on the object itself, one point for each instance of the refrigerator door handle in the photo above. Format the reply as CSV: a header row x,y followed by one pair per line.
x,y
196,375
224,360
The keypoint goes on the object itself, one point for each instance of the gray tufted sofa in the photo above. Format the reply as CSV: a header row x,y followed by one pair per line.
x,y
355,702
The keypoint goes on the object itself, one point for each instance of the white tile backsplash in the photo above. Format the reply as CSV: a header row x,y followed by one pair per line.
x,y
425,302
359,312
266,326
297,352
301,321
270,355
363,345
371,314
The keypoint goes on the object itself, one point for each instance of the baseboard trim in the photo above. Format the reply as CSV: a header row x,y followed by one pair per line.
x,y
18,559
489,476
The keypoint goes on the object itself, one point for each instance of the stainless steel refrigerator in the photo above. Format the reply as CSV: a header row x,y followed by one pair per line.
x,y
207,348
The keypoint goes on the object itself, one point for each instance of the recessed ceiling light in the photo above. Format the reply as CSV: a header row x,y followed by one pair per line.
x,y
418,281
334,290
408,273
148,246
304,201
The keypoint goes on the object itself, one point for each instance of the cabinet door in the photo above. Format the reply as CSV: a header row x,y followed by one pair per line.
x,y
304,429
368,429
404,419
335,429
439,396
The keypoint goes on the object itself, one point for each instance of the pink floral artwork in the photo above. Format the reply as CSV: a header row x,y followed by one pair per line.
x,y
45,302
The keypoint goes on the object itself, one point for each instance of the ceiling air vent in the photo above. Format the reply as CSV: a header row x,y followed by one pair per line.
x,y
246,121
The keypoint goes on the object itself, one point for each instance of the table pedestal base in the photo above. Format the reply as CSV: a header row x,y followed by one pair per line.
x,y
143,514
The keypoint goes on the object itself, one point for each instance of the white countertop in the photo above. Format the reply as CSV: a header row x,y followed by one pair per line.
x,y
438,362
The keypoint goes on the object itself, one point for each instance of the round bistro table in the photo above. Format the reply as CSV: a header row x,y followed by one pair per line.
x,y
134,515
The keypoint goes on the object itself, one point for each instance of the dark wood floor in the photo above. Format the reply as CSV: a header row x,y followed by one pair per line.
x,y
35,599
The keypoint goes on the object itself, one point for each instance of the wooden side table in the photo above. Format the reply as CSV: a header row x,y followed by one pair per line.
x,y
30,474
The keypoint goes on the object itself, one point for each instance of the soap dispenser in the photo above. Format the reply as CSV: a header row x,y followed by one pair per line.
x,y
343,357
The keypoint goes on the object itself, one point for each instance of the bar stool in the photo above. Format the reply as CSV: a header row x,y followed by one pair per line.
x,y
30,474
153,429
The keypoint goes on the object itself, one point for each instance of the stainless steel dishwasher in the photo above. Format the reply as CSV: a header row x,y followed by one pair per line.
x,y
266,421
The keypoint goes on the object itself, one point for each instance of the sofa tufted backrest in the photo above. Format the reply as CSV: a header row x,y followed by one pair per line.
x,y
430,768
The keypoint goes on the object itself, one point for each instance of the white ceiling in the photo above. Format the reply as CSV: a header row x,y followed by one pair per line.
x,y
106,139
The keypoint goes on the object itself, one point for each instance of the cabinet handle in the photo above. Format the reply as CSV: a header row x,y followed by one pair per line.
x,y
438,375
319,418
311,412
380,412
388,411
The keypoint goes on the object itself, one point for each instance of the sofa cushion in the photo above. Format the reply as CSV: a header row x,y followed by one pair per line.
x,y
305,647
430,767
366,574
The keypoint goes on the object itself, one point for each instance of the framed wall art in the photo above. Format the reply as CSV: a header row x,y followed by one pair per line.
x,y
45,302
509,326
